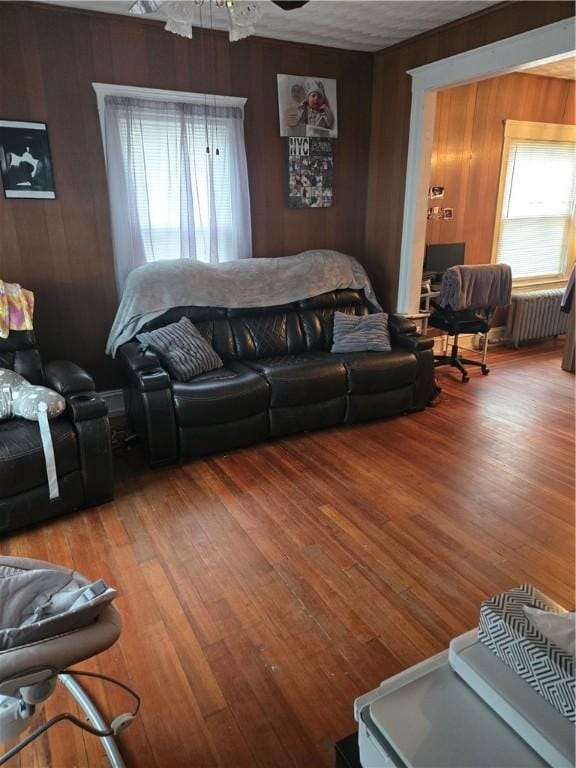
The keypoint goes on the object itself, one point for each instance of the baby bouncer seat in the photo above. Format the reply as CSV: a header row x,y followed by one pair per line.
x,y
52,617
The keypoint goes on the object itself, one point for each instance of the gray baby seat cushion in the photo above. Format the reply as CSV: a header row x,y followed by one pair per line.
x,y
50,618
42,603
20,398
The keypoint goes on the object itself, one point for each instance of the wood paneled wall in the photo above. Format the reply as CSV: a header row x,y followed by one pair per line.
x,y
62,249
391,119
466,156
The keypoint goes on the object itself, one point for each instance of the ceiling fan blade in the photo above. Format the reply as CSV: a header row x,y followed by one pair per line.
x,y
141,7
290,5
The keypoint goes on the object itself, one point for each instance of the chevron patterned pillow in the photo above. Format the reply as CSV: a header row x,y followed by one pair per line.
x,y
365,333
182,349
506,629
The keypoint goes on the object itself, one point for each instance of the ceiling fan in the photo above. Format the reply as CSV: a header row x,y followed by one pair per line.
x,y
181,14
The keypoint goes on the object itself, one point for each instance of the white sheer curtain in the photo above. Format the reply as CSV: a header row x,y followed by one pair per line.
x,y
170,198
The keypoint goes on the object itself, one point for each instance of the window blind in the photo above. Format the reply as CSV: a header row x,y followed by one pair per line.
x,y
538,207
177,178
169,158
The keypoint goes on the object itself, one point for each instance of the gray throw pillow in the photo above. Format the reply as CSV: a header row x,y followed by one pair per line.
x,y
364,333
182,349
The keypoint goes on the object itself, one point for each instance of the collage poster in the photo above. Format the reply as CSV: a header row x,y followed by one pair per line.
x,y
310,173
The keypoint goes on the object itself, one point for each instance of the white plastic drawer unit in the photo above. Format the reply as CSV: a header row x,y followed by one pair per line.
x,y
428,717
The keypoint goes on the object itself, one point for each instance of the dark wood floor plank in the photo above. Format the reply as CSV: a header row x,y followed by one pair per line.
x,y
251,718
261,591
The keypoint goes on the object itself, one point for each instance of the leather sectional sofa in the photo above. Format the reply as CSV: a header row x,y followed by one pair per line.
x,y
279,378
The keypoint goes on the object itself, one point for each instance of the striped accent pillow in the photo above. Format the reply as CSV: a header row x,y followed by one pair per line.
x,y
364,333
182,349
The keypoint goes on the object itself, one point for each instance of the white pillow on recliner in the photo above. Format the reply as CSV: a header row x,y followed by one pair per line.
x,y
20,398
29,401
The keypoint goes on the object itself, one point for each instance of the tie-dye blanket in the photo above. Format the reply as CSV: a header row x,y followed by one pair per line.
x,y
16,309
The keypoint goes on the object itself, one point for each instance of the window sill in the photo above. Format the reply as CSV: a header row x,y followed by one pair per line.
x,y
522,286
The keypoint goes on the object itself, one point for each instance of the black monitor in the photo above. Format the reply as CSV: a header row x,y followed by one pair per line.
x,y
439,257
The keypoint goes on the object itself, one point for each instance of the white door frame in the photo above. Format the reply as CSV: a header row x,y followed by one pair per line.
x,y
538,46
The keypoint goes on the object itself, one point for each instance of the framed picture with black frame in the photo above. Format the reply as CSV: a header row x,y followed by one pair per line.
x,y
25,160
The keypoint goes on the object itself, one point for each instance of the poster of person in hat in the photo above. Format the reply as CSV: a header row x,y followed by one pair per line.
x,y
307,106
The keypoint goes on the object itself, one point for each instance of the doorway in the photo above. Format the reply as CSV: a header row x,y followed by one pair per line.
x,y
543,45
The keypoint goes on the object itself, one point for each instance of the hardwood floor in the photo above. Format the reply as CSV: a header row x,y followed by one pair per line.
x,y
262,591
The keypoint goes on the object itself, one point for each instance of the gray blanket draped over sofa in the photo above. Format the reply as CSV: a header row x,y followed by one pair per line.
x,y
155,288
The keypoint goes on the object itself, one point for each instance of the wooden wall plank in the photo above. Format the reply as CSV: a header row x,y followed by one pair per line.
x,y
467,151
62,249
391,103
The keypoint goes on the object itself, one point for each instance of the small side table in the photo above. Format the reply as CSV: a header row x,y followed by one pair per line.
x,y
348,752
421,317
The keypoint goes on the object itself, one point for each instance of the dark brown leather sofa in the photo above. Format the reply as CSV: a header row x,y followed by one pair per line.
x,y
80,436
279,378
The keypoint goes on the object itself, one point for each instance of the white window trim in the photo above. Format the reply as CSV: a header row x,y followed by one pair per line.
x,y
157,94
525,129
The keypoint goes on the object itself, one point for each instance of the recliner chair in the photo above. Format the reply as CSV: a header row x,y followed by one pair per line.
x,y
81,439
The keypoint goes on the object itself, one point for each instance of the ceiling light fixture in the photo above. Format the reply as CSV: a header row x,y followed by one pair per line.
x,y
243,15
183,15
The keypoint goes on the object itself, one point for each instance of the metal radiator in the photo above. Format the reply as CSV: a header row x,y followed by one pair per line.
x,y
536,315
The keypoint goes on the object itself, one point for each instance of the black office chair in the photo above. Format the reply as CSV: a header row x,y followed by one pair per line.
x,y
455,323
468,297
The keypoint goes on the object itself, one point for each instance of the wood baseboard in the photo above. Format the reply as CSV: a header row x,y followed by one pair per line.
x,y
115,402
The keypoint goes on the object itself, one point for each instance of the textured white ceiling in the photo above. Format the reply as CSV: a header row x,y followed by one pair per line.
x,y
360,25
565,68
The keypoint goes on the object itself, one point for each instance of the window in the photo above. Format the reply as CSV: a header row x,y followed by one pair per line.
x,y
535,216
177,176
167,154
